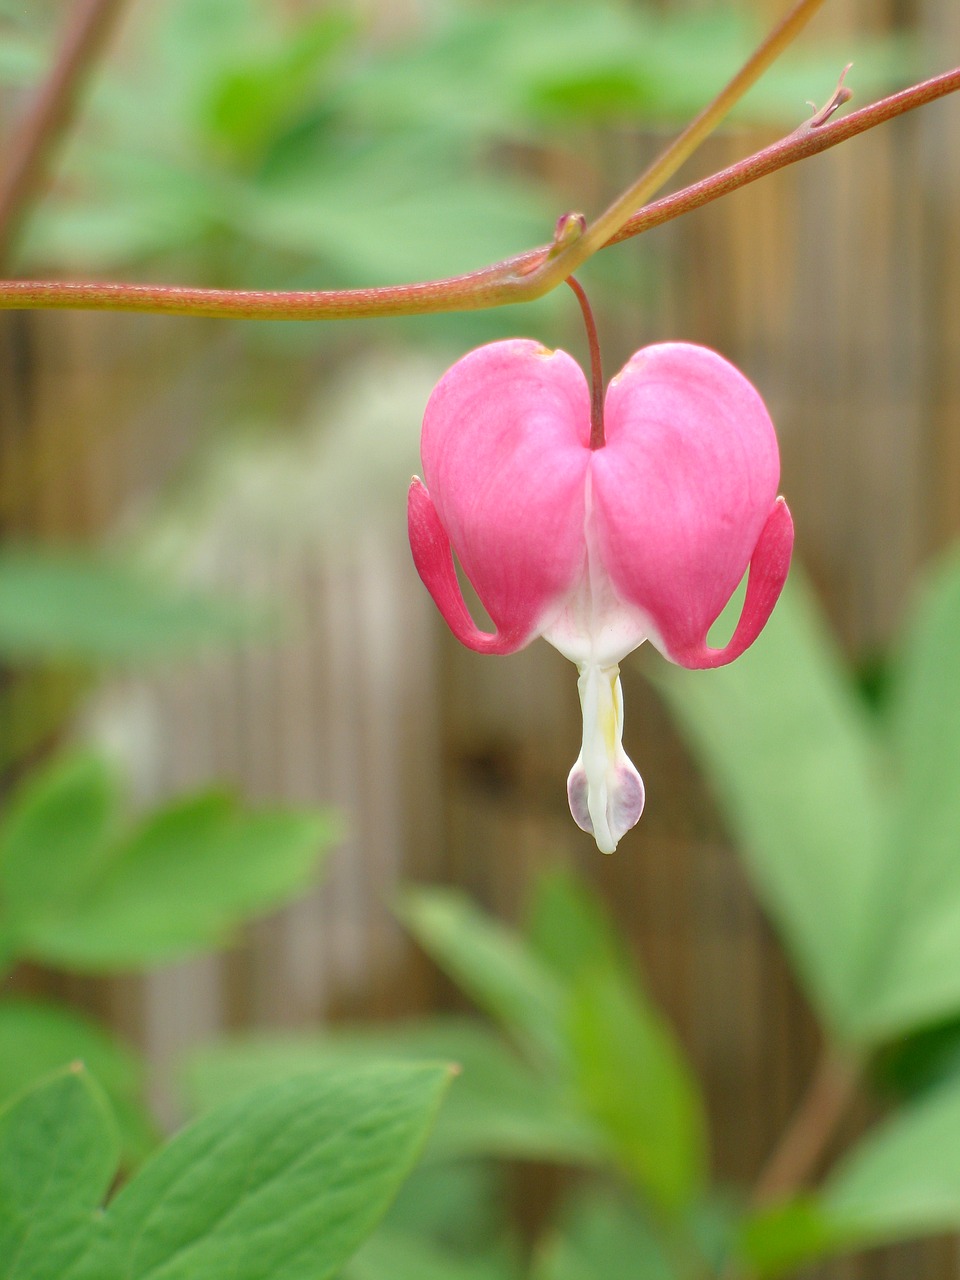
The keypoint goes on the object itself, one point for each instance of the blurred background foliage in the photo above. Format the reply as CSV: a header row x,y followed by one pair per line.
x,y
246,144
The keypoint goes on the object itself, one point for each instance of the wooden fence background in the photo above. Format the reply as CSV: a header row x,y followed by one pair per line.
x,y
835,286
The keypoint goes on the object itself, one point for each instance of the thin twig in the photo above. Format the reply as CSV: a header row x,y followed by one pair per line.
x,y
27,154
555,270
809,140
503,282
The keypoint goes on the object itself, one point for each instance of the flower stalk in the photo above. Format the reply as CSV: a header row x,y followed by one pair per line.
x,y
535,272
597,440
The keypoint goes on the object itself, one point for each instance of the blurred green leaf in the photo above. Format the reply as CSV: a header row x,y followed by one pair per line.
x,y
912,970
499,1107
794,759
77,892
903,1179
54,838
634,1082
570,930
71,606
462,1207
860,870
37,1039
631,1074
254,100
184,881
58,1156
602,1238
776,1240
21,61
491,963
919,1061
393,211
394,1255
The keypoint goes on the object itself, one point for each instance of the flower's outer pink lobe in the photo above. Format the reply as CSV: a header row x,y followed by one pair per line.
x,y
768,572
433,556
505,449
683,490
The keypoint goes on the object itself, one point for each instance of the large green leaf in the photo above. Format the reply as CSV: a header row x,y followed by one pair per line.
x,y
37,1039
280,1184
912,974
493,966
794,759
59,605
58,1155
861,870
499,1107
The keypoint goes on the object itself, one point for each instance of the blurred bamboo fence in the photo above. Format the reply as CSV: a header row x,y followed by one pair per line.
x,y
834,286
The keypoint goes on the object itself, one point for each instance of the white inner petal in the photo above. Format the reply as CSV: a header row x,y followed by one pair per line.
x,y
593,626
595,629
604,789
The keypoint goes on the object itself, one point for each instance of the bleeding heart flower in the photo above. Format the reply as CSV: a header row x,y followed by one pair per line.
x,y
598,549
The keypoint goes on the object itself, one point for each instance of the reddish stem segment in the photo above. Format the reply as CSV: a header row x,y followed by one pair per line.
x,y
49,113
597,440
811,1128
809,140
514,280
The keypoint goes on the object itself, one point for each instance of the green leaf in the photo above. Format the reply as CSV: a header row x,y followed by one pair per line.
x,y
492,965
900,1182
601,1238
793,758
391,211
70,606
913,972
569,928
255,99
283,1183
183,882
903,1179
37,1039
395,1255
75,892
777,1240
918,1061
634,1082
499,1107
58,1155
461,1206
55,836
631,1074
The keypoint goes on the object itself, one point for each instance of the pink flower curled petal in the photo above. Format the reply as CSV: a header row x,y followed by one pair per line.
x,y
683,492
505,452
598,550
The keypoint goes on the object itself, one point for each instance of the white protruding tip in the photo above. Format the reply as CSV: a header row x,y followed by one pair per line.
x,y
604,789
